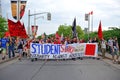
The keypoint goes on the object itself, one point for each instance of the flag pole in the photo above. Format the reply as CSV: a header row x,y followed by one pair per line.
x,y
88,26
92,22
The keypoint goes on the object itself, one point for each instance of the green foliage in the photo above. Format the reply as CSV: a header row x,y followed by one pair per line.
x,y
3,26
106,34
65,30
80,32
39,37
51,35
112,33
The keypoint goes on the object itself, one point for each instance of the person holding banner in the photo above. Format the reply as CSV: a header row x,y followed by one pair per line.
x,y
27,45
74,40
95,40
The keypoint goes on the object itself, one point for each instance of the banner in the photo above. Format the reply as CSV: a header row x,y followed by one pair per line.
x,y
59,51
22,8
34,30
16,29
14,8
22,32
11,27
18,8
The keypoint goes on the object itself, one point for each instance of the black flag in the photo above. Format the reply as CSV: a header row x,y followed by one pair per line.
x,y
74,28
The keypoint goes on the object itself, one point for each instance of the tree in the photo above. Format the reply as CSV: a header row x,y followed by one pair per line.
x,y
106,34
3,26
80,32
65,30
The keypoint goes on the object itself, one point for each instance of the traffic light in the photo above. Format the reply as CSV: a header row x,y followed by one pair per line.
x,y
86,17
48,16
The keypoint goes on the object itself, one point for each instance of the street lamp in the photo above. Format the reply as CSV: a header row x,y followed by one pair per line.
x,y
48,18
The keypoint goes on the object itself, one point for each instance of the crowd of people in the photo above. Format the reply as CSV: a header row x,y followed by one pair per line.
x,y
9,45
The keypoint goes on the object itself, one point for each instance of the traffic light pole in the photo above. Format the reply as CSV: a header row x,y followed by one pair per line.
x,y
48,17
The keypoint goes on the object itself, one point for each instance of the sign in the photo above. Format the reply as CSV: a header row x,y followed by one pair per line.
x,y
59,51
15,10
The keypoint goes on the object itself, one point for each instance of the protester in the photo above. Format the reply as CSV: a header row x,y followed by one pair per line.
x,y
20,48
11,47
116,48
111,49
103,44
27,47
4,42
95,40
90,40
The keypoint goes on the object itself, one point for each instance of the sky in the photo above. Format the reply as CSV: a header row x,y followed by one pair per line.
x,y
64,12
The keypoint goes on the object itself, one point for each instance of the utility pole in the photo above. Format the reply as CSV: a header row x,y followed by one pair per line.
x,y
0,9
48,18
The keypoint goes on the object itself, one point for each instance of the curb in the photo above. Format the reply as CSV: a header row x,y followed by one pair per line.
x,y
4,61
108,58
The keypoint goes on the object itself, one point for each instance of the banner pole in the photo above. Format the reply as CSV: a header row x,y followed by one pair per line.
x,y
19,3
29,23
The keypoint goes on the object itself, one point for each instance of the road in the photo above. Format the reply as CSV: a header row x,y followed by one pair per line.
x,y
86,69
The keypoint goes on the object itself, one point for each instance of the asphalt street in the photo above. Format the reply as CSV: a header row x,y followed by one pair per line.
x,y
86,69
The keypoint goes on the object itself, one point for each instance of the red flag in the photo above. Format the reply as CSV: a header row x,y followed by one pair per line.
x,y
23,32
11,26
16,29
7,34
100,34
57,35
91,13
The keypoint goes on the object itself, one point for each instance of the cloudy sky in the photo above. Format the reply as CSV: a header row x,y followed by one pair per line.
x,y
64,12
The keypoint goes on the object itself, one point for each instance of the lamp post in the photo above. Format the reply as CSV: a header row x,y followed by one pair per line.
x,y
29,15
87,18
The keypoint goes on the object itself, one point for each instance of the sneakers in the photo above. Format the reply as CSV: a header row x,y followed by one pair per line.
x,y
19,59
3,58
115,61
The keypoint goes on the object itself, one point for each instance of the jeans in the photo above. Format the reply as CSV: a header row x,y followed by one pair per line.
x,y
11,50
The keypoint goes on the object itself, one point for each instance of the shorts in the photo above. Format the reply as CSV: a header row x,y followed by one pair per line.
x,y
20,51
118,53
111,51
4,51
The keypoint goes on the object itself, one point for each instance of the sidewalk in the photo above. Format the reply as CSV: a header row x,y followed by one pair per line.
x,y
108,56
7,59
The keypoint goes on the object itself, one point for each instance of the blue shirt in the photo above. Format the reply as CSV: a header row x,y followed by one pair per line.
x,y
4,42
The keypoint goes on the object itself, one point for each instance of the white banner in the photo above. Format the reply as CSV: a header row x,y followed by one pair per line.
x,y
59,51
